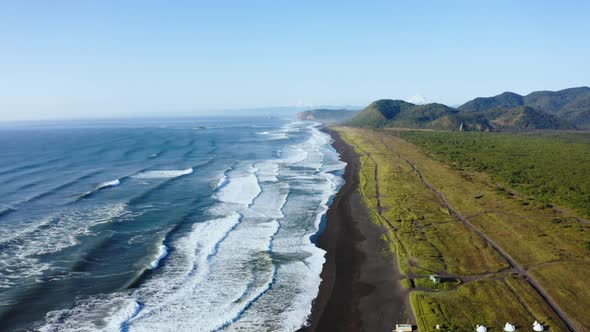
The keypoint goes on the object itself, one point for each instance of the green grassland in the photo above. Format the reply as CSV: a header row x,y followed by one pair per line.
x,y
427,239
554,168
445,283
567,283
485,302
534,303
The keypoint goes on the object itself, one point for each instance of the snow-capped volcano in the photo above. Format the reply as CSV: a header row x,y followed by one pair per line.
x,y
418,100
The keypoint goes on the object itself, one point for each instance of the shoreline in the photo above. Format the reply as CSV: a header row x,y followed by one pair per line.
x,y
360,288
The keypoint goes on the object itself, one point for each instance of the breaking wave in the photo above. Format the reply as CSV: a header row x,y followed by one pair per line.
x,y
248,264
162,174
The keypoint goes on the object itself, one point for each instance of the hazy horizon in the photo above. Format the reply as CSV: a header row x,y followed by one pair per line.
x,y
71,60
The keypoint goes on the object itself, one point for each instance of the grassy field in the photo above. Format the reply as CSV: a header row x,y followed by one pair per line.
x,y
426,283
551,168
534,303
484,302
568,282
428,239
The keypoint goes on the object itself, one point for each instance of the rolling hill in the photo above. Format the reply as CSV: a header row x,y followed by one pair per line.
x,y
504,100
569,105
564,109
379,113
401,114
525,117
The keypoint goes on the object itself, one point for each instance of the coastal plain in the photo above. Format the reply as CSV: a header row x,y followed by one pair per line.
x,y
499,250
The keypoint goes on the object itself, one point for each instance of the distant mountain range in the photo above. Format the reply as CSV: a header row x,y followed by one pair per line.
x,y
327,115
564,109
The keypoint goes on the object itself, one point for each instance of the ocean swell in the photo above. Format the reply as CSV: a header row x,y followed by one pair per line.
x,y
248,264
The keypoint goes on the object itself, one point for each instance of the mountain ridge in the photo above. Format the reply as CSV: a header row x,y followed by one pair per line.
x,y
563,109
571,104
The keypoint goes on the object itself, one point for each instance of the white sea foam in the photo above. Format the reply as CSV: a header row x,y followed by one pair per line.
x,y
98,313
286,306
268,171
49,235
185,269
251,266
297,282
101,186
194,249
227,288
271,200
162,252
293,155
162,174
242,187
314,160
274,135
223,180
109,184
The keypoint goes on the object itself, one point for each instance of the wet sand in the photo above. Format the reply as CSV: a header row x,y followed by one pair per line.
x,y
360,289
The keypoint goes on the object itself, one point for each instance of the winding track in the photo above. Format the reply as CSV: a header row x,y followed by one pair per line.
x,y
514,265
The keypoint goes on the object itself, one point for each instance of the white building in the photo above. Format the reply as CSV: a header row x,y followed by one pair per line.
x,y
509,327
403,328
538,327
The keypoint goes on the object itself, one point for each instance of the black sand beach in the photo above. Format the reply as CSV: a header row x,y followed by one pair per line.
x,y
360,289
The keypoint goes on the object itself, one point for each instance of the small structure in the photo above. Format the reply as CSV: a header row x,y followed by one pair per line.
x,y
509,327
435,279
481,328
538,327
437,327
403,328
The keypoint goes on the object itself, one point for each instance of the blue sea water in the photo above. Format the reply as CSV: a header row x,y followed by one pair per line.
x,y
184,225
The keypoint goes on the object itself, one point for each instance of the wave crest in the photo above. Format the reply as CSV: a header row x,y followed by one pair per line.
x,y
162,174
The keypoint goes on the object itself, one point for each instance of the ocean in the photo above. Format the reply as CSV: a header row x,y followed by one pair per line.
x,y
205,224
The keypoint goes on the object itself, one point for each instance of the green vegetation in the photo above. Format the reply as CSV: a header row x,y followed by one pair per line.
x,y
407,283
524,117
400,114
379,113
445,283
552,168
570,105
565,109
568,284
426,283
503,100
428,239
485,302
535,304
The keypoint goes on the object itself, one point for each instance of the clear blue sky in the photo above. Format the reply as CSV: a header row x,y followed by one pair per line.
x,y
107,58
